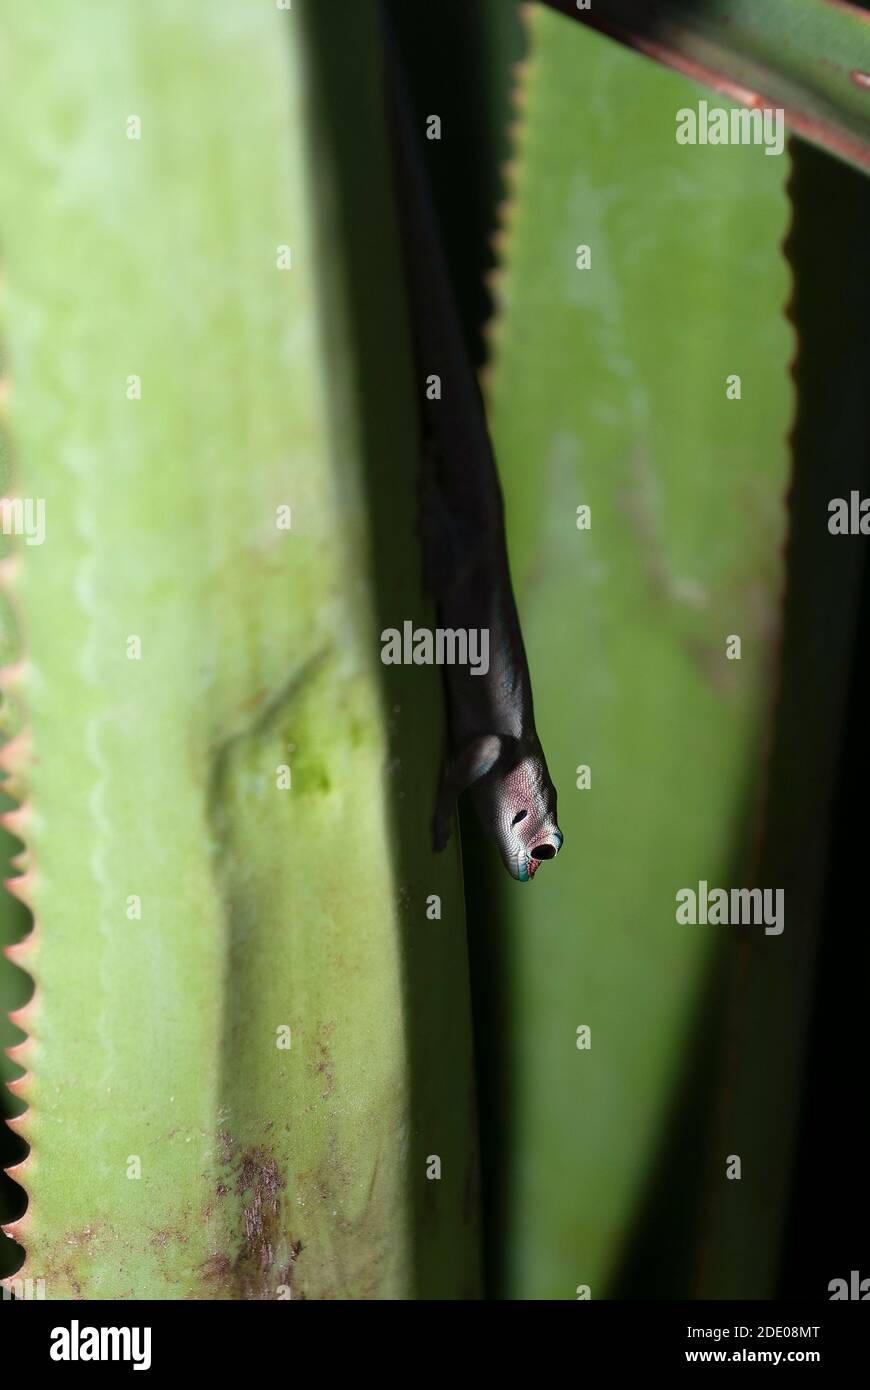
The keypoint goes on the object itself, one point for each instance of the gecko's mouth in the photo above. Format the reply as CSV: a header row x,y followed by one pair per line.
x,y
529,861
527,866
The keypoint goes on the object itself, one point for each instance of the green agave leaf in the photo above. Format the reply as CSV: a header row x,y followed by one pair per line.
x,y
15,985
810,57
14,990
609,391
188,906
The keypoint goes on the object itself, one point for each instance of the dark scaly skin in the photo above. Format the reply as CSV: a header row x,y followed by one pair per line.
x,y
494,748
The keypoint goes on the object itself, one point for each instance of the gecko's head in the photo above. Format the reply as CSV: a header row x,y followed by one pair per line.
x,y
526,829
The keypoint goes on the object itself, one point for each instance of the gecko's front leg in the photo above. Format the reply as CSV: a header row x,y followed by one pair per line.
x,y
474,761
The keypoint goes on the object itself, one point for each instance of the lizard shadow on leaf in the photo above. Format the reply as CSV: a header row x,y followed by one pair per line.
x,y
368,347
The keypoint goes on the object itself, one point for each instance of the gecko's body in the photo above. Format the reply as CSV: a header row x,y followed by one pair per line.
x,y
494,748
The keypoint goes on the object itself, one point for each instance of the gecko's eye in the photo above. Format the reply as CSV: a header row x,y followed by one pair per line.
x,y
543,852
520,815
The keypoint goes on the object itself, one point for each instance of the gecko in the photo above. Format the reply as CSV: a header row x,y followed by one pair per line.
x,y
493,747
